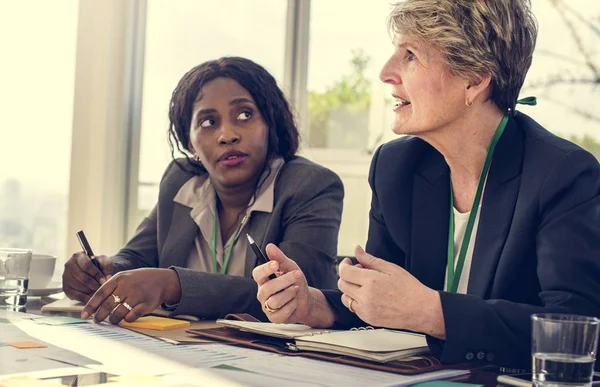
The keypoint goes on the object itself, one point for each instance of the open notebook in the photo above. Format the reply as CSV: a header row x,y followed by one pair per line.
x,y
379,345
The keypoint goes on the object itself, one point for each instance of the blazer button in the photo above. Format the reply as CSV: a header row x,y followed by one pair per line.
x,y
470,356
490,356
480,355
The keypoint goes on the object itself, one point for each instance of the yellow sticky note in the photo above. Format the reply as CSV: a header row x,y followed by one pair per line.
x,y
157,323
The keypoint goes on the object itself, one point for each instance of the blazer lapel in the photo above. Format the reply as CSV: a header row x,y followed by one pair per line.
x,y
429,231
257,227
180,240
497,211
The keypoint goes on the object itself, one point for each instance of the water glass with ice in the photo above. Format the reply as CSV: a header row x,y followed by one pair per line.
x,y
14,274
564,349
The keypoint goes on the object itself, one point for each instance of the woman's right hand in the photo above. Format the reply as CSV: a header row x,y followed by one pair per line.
x,y
288,298
81,278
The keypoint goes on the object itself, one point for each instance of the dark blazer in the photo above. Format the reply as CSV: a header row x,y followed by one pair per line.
x,y
538,241
304,223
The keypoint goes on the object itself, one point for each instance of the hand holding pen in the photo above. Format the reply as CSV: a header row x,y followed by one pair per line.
x,y
284,297
85,272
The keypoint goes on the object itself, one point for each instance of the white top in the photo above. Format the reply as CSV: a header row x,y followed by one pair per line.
x,y
460,226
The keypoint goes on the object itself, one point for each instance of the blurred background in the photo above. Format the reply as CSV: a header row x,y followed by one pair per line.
x,y
85,87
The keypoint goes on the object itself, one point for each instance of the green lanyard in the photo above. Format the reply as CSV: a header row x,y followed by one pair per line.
x,y
213,242
454,274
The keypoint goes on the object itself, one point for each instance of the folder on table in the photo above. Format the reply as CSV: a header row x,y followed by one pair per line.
x,y
379,349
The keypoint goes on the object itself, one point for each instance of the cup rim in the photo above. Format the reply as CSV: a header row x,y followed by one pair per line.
x,y
565,318
42,256
15,250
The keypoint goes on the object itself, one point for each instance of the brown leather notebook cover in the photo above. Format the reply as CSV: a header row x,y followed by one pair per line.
x,y
408,366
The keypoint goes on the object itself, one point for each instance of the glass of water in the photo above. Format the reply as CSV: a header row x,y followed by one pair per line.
x,y
14,274
564,349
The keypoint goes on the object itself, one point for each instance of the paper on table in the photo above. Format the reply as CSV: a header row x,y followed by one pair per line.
x,y
375,340
65,305
445,383
15,361
286,331
331,374
246,378
57,320
107,344
52,373
27,381
135,379
114,347
11,333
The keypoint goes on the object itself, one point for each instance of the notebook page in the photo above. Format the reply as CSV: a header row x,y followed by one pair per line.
x,y
285,331
370,340
63,305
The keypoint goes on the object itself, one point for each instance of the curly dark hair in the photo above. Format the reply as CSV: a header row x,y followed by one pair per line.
x,y
283,135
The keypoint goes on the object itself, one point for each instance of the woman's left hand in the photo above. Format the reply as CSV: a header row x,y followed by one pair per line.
x,y
386,295
142,290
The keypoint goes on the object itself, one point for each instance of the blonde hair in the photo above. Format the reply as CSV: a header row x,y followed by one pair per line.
x,y
476,38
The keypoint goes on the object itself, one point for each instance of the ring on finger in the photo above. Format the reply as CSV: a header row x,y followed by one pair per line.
x,y
350,305
116,298
127,306
268,308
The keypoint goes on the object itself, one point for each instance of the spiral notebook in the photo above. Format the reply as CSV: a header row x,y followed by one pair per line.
x,y
378,345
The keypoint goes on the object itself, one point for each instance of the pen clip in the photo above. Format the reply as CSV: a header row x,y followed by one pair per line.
x,y
82,245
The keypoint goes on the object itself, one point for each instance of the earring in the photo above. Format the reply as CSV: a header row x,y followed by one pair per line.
x,y
196,158
468,103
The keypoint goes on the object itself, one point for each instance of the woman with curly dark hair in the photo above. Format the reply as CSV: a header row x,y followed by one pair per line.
x,y
191,255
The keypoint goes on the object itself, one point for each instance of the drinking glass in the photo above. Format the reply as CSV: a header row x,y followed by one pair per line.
x,y
564,349
14,278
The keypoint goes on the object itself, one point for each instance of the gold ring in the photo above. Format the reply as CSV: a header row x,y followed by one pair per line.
x,y
126,305
268,308
350,305
117,299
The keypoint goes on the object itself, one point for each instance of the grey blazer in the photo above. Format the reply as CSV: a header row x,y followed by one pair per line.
x,y
304,223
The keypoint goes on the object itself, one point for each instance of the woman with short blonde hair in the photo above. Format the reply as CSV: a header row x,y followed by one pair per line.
x,y
480,217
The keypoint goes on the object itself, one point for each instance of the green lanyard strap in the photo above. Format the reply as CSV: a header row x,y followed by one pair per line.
x,y
454,274
213,242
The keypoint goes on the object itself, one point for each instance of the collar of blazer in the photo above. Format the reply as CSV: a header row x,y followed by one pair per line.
x,y
429,228
183,229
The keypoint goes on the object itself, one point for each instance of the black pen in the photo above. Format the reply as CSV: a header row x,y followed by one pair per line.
x,y
259,254
88,250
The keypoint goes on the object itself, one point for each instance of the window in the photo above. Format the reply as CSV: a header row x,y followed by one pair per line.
x,y
349,112
345,96
182,35
37,77
565,73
